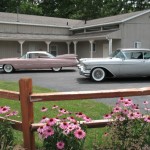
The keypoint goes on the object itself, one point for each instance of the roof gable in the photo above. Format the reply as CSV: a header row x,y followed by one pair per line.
x,y
110,20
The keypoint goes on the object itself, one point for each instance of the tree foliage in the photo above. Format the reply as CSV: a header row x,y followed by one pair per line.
x,y
75,9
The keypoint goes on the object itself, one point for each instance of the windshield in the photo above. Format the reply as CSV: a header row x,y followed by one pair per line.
x,y
117,54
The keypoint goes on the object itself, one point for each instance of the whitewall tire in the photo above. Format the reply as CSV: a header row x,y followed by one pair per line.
x,y
98,74
8,68
57,69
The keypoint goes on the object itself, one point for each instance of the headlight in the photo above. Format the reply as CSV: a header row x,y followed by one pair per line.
x,y
85,66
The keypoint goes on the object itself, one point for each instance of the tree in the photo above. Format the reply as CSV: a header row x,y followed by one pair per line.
x,y
29,8
74,9
48,7
8,5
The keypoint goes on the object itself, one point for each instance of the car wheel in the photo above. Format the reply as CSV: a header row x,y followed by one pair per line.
x,y
8,68
98,74
56,69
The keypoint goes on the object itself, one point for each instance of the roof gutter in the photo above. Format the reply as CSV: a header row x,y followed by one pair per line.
x,y
30,24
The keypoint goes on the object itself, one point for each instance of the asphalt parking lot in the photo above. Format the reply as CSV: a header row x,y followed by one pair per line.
x,y
70,80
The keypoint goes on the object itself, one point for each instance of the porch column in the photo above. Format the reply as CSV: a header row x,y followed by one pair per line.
x,y
68,46
21,46
75,46
91,51
47,43
110,46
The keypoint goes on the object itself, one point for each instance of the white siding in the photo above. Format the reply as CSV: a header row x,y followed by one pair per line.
x,y
137,29
7,28
10,28
9,49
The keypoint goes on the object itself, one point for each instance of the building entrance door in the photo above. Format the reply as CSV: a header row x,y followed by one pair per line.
x,y
105,50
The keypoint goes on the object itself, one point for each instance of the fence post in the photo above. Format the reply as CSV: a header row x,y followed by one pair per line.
x,y
25,86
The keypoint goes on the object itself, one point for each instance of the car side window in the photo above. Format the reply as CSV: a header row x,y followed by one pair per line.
x,y
43,56
146,55
137,55
33,55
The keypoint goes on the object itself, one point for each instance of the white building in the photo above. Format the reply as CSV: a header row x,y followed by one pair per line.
x,y
20,33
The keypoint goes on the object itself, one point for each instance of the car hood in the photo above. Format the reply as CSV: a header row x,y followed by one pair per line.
x,y
88,60
67,56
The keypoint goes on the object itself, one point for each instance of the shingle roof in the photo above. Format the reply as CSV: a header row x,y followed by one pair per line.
x,y
39,20
68,23
110,20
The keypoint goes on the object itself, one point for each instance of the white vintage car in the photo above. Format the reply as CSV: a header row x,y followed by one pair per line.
x,y
121,63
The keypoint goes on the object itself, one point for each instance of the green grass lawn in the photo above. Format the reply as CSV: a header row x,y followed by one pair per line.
x,y
93,109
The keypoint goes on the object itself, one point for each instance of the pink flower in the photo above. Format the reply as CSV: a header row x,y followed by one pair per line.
x,y
147,118
40,129
63,125
121,118
4,109
107,116
135,107
130,101
60,145
80,115
51,121
71,127
54,107
79,134
43,109
87,119
62,111
125,111
44,119
48,132
131,116
127,103
71,119
105,134
13,113
46,126
147,109
121,100
117,109
137,114
145,102
76,125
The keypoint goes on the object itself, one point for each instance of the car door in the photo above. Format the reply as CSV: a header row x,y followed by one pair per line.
x,y
133,66
30,62
146,65
47,62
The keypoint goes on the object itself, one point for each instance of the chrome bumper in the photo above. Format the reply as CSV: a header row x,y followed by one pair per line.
x,y
83,72
1,66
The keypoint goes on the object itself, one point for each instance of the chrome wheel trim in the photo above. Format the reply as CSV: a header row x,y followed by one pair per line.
x,y
98,74
8,68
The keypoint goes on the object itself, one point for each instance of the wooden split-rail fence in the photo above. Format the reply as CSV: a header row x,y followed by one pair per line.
x,y
27,99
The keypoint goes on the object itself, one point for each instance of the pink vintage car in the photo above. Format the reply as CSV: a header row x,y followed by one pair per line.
x,y
38,60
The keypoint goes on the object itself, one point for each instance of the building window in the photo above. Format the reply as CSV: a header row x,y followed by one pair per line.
x,y
137,44
53,50
94,47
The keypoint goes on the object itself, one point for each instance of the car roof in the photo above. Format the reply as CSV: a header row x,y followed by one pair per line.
x,y
37,52
134,49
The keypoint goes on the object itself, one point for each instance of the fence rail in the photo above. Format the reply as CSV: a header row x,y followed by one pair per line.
x,y
27,99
